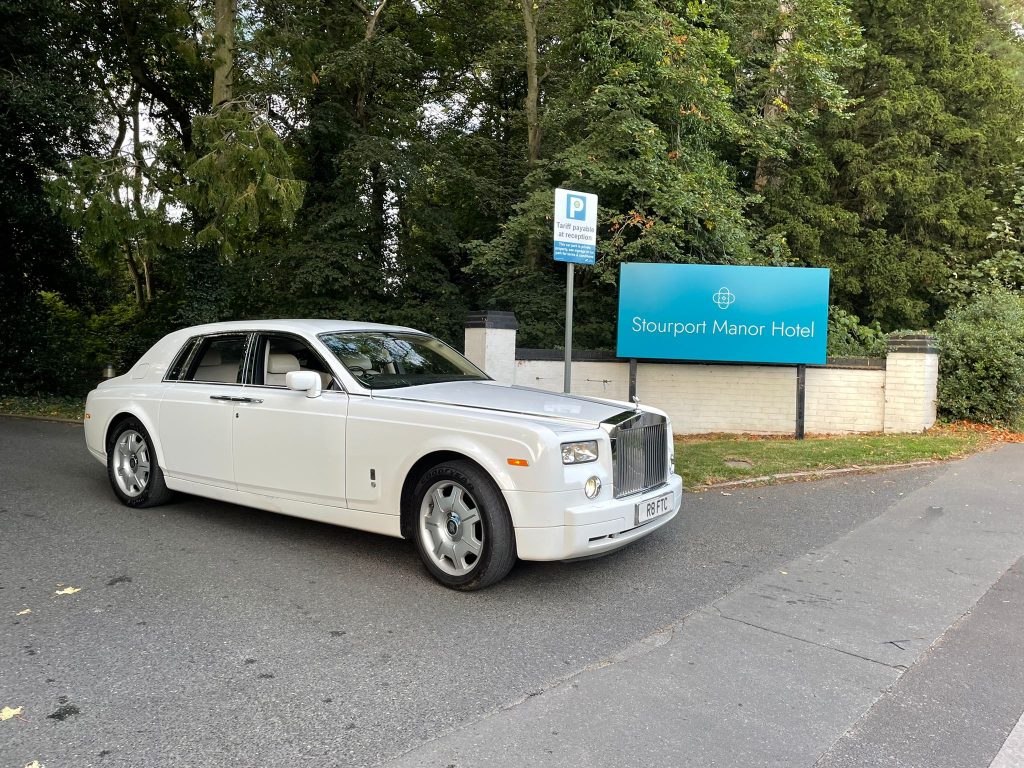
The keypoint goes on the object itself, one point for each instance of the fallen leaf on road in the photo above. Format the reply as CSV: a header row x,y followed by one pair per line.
x,y
7,713
34,764
68,591
784,573
26,612
726,494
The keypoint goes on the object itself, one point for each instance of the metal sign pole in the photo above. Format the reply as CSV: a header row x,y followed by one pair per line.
x,y
801,399
567,380
575,240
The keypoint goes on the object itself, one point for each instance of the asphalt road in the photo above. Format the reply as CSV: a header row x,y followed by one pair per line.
x,y
210,634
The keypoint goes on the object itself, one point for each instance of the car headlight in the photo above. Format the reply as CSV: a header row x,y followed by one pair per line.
x,y
579,453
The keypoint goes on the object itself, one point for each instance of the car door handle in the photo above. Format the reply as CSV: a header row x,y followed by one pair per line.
x,y
232,399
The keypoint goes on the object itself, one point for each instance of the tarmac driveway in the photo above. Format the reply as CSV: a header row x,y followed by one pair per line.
x,y
209,634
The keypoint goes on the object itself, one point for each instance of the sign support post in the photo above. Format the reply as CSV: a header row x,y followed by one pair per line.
x,y
575,241
801,399
567,376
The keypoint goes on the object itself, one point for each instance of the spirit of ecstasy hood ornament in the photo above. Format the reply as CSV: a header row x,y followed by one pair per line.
x,y
636,404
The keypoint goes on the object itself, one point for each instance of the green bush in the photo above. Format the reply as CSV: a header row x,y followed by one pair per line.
x,y
47,349
57,349
981,362
848,338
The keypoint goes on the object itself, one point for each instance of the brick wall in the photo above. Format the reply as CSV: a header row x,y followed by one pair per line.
x,y
897,396
729,398
840,400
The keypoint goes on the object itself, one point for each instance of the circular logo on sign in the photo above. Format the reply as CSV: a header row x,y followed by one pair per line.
x,y
723,298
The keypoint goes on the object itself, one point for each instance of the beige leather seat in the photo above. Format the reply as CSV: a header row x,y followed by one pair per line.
x,y
279,365
359,361
211,368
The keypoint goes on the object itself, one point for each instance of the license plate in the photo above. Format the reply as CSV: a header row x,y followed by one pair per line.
x,y
652,508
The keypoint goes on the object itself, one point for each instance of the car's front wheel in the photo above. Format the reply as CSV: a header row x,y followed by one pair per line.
x,y
464,532
132,467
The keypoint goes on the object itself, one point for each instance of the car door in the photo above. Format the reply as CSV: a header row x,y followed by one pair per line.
x,y
285,444
197,409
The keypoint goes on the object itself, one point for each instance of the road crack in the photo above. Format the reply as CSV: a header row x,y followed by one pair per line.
x,y
899,667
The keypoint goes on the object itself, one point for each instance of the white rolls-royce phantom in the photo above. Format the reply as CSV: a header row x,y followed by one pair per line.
x,y
388,430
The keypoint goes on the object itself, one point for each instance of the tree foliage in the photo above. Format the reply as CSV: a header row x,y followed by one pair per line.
x,y
394,160
48,110
904,189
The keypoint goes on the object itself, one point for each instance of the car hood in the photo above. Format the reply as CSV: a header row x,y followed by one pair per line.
x,y
506,398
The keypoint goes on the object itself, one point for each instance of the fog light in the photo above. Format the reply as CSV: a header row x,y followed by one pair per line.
x,y
592,487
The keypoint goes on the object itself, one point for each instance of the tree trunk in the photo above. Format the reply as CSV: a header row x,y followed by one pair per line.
x,y
372,18
134,272
378,229
773,108
530,8
224,16
143,289
378,214
532,85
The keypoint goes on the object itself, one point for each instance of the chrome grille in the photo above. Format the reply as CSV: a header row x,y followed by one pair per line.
x,y
639,454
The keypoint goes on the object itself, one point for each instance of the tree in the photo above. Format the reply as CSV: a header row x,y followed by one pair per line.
x,y
905,188
788,57
48,110
636,110
214,180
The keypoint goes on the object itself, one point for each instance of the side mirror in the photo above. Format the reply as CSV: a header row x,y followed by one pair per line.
x,y
303,381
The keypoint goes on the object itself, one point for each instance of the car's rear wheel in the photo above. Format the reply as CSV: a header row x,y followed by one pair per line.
x,y
464,532
132,467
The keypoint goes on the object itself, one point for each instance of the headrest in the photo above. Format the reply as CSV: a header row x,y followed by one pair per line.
x,y
359,361
212,357
282,363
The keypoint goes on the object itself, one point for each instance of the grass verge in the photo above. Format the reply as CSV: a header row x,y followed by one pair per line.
x,y
44,406
709,459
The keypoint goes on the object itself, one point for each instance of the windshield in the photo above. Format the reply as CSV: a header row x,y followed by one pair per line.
x,y
386,360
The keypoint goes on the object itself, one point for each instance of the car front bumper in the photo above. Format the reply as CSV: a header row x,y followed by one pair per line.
x,y
583,530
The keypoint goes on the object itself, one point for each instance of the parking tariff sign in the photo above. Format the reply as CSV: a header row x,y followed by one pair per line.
x,y
575,226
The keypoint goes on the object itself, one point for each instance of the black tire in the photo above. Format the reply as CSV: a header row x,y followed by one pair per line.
x,y
495,534
137,493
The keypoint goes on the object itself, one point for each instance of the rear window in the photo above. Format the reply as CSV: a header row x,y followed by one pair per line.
x,y
177,369
218,360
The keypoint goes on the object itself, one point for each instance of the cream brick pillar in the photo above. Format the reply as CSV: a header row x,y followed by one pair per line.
x,y
911,383
491,343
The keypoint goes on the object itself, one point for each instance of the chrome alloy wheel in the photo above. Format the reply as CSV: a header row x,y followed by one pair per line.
x,y
131,463
450,527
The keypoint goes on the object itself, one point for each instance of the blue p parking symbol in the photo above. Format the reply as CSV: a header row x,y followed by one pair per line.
x,y
576,207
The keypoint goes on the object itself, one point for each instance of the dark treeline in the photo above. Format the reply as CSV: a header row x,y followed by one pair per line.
x,y
168,162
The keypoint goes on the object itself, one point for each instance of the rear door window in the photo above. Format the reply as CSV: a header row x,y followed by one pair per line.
x,y
219,360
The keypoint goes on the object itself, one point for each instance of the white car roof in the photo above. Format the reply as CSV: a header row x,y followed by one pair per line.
x,y
297,326
164,350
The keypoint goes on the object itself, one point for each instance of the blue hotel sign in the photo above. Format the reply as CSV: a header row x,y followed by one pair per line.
x,y
723,313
